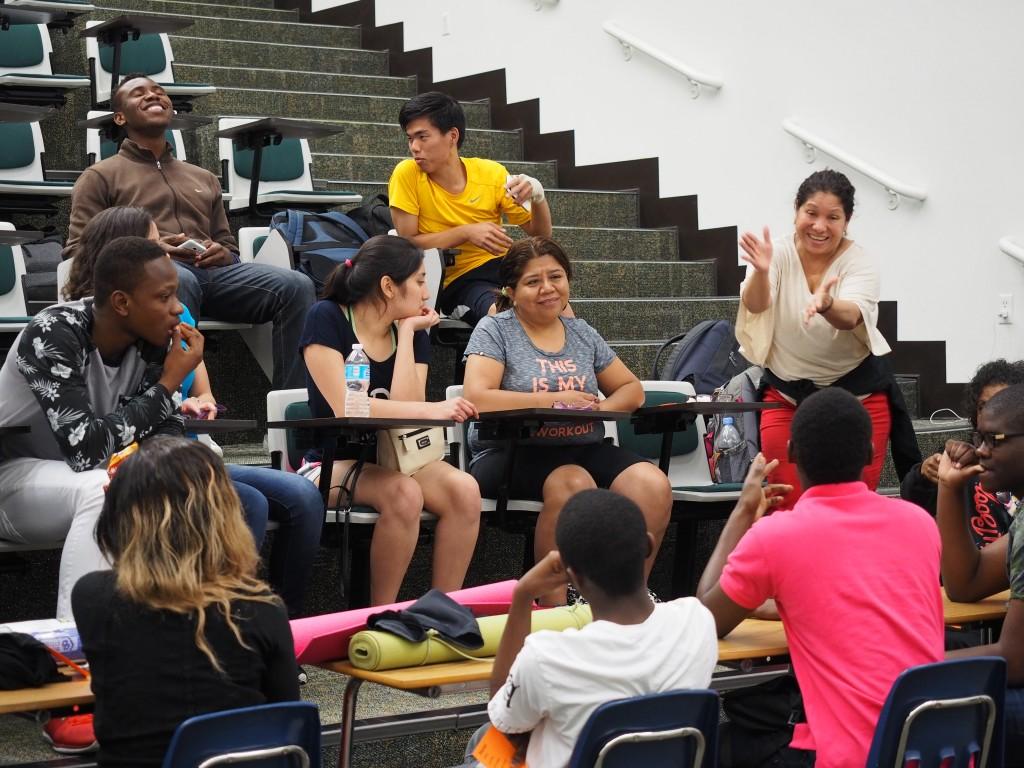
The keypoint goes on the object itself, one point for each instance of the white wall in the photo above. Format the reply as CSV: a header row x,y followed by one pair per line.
x,y
927,91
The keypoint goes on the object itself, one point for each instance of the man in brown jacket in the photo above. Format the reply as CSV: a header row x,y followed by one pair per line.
x,y
185,202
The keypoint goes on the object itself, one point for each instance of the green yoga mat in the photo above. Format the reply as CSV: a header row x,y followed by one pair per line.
x,y
375,650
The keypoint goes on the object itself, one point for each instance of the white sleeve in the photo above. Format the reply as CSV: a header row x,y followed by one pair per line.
x,y
755,332
520,705
860,282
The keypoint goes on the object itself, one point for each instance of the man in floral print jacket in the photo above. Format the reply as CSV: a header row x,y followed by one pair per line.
x,y
89,378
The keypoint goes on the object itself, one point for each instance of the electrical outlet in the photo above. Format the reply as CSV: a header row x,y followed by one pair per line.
x,y
445,29
1005,312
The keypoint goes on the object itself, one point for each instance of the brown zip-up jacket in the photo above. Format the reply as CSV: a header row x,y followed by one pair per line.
x,y
180,197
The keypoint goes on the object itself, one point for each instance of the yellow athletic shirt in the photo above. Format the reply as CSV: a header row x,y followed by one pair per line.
x,y
483,199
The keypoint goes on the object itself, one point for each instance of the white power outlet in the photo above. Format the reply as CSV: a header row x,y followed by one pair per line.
x,y
1005,312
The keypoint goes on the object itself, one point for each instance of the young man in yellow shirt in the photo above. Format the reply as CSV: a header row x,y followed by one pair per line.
x,y
441,200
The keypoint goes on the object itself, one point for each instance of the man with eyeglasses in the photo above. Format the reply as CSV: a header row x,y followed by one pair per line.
x,y
996,457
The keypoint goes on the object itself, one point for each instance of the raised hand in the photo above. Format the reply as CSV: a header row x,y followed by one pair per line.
x,y
756,495
757,253
546,576
959,463
822,300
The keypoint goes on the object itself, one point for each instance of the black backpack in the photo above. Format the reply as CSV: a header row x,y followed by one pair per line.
x,y
707,356
374,216
319,242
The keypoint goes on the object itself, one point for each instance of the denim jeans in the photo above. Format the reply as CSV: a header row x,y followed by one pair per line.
x,y
296,506
254,293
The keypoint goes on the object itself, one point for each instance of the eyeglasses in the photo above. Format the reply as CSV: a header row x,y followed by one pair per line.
x,y
992,439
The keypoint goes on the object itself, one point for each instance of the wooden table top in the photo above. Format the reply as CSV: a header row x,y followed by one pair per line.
x,y
751,639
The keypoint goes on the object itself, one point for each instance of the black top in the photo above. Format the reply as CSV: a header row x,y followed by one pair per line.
x,y
149,676
328,325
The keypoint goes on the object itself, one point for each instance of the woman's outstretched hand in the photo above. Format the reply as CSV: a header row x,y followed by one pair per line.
x,y
757,253
822,300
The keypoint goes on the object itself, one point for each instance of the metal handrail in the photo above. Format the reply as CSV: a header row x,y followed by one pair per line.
x,y
1012,248
629,42
896,189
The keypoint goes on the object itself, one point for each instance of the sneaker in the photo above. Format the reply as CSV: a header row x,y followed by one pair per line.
x,y
303,678
71,735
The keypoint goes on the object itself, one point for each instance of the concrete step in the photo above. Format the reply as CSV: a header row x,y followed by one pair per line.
x,y
290,80
314,105
640,279
189,9
646,319
614,244
388,139
569,207
379,167
232,23
236,53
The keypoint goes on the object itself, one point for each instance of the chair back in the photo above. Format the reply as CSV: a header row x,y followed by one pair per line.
x,y
945,714
25,49
283,166
12,267
99,147
675,728
288,444
268,736
150,55
22,149
689,465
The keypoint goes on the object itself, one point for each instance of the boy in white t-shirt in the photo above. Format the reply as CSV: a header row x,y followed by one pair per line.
x,y
549,683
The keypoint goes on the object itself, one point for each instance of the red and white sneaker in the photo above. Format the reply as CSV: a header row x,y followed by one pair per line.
x,y
71,735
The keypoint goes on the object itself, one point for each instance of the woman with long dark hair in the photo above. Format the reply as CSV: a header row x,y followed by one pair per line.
x,y
376,299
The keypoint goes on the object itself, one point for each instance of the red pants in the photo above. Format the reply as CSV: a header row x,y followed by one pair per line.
x,y
775,425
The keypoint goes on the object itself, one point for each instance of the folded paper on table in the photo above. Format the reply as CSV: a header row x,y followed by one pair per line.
x,y
325,638
374,650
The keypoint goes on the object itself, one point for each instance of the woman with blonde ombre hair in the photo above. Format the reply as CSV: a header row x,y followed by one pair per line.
x,y
182,625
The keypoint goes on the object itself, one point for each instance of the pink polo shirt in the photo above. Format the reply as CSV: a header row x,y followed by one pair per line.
x,y
856,579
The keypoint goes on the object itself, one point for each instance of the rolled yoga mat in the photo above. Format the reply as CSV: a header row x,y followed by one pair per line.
x,y
325,638
375,650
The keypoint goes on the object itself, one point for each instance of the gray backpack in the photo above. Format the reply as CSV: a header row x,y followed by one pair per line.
x,y
732,468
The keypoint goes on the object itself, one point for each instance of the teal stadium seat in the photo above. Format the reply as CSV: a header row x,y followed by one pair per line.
x,y
23,186
25,73
151,55
285,176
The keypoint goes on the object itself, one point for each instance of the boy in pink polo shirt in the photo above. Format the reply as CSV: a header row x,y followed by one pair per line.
x,y
855,577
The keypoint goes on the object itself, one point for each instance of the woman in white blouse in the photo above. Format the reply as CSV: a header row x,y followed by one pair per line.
x,y
808,314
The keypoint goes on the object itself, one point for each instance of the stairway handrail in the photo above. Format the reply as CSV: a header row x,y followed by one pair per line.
x,y
630,41
896,189
1012,248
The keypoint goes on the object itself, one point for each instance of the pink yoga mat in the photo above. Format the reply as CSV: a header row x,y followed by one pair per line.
x,y
325,638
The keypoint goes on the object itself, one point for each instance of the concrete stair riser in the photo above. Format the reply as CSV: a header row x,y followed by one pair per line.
x,y
237,53
379,168
569,207
313,105
614,244
239,24
655,318
109,8
286,80
388,139
629,279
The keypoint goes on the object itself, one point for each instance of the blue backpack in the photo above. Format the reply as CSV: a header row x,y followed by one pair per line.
x,y
319,242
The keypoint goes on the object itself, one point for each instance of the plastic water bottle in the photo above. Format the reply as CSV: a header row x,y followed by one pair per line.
x,y
727,441
357,382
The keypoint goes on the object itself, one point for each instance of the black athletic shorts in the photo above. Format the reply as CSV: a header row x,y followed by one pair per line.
x,y
603,461
474,290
